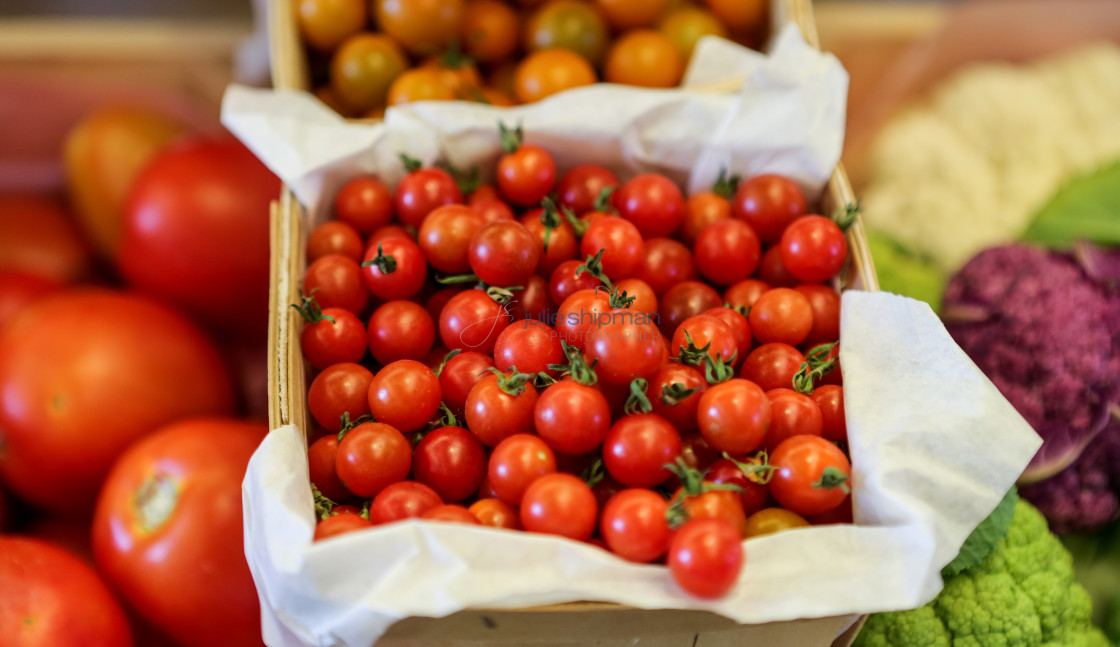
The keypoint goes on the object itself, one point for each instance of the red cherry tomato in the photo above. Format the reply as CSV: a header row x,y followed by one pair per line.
x,y
334,237
768,203
400,330
638,447
705,332
394,268
626,346
404,394
653,203
559,504
451,514
705,557
562,242
471,320
327,342
753,496
633,525
830,399
402,500
666,263
772,270
451,461
526,175
685,300
772,366
739,328
701,210
813,249
364,203
371,457
339,524
734,416
791,414
812,475
460,374
564,281
445,237
667,390
336,282
496,514
321,466
744,293
781,315
582,185
515,463
528,345
420,192
620,242
338,389
572,418
492,210
825,303
504,253
532,302
727,251
578,317
493,414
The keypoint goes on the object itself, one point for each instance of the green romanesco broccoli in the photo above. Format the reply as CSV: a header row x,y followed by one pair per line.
x,y
1021,595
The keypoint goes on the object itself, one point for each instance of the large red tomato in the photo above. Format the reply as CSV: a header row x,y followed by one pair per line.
x,y
84,373
51,598
196,231
167,531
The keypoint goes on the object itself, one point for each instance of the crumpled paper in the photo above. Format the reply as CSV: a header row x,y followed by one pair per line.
x,y
934,445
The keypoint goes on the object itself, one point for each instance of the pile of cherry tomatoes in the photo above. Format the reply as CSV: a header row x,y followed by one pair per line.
x,y
571,354
366,55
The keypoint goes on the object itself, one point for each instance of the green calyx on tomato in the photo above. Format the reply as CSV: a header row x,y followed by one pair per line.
x,y
346,424
577,367
384,262
155,501
447,418
447,358
743,310
468,180
757,468
594,266
637,401
726,186
692,485
594,473
833,478
603,200
817,364
511,138
673,394
323,505
411,164
514,383
550,218
716,370
692,355
309,309
846,215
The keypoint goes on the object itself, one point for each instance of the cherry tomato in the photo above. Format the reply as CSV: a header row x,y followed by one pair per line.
x,y
734,416
451,514
740,329
451,461
628,14
701,210
666,263
526,175
727,251
645,300
516,462
423,27
633,525
402,500
653,203
626,346
362,69
337,283
404,394
559,504
646,58
420,192
754,494
496,514
334,237
705,557
504,253
568,24
327,342
582,185
459,376
564,281
488,30
18,289
492,210
768,203
86,372
394,268
840,514
772,366
170,512
493,414
340,388
665,394
621,242
578,317
423,84
744,293
812,475
825,303
196,231
791,414
638,447
400,330
548,71
321,466
772,270
714,504
686,25
704,331
532,302
530,346
781,315
572,418
371,457
340,524
830,400
38,237
813,249
836,375
772,520
562,242
740,15
325,24
471,320
685,300
364,203
387,232
445,237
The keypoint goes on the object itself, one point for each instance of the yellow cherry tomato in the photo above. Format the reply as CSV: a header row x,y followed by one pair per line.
x,y
325,24
363,68
489,30
768,521
644,57
421,84
422,27
549,71
687,25
569,24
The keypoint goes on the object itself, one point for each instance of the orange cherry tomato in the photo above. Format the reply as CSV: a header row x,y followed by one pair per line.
x,y
629,14
686,25
644,57
421,84
715,504
325,24
363,68
740,15
422,27
494,97
489,30
458,73
771,520
701,210
549,71
496,513
569,24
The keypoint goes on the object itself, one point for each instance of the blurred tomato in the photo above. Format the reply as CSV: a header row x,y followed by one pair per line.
x,y
489,30
50,598
18,289
422,27
167,531
687,25
628,14
85,372
196,231
325,24
363,68
548,71
645,58
740,15
104,154
37,236
421,84
569,24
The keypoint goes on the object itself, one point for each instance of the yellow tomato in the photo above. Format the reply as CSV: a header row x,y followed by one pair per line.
x,y
325,24
644,57
421,84
549,71
363,68
771,520
489,30
569,24
422,27
687,25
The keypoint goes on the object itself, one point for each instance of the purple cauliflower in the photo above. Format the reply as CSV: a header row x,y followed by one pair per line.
x,y
1045,328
